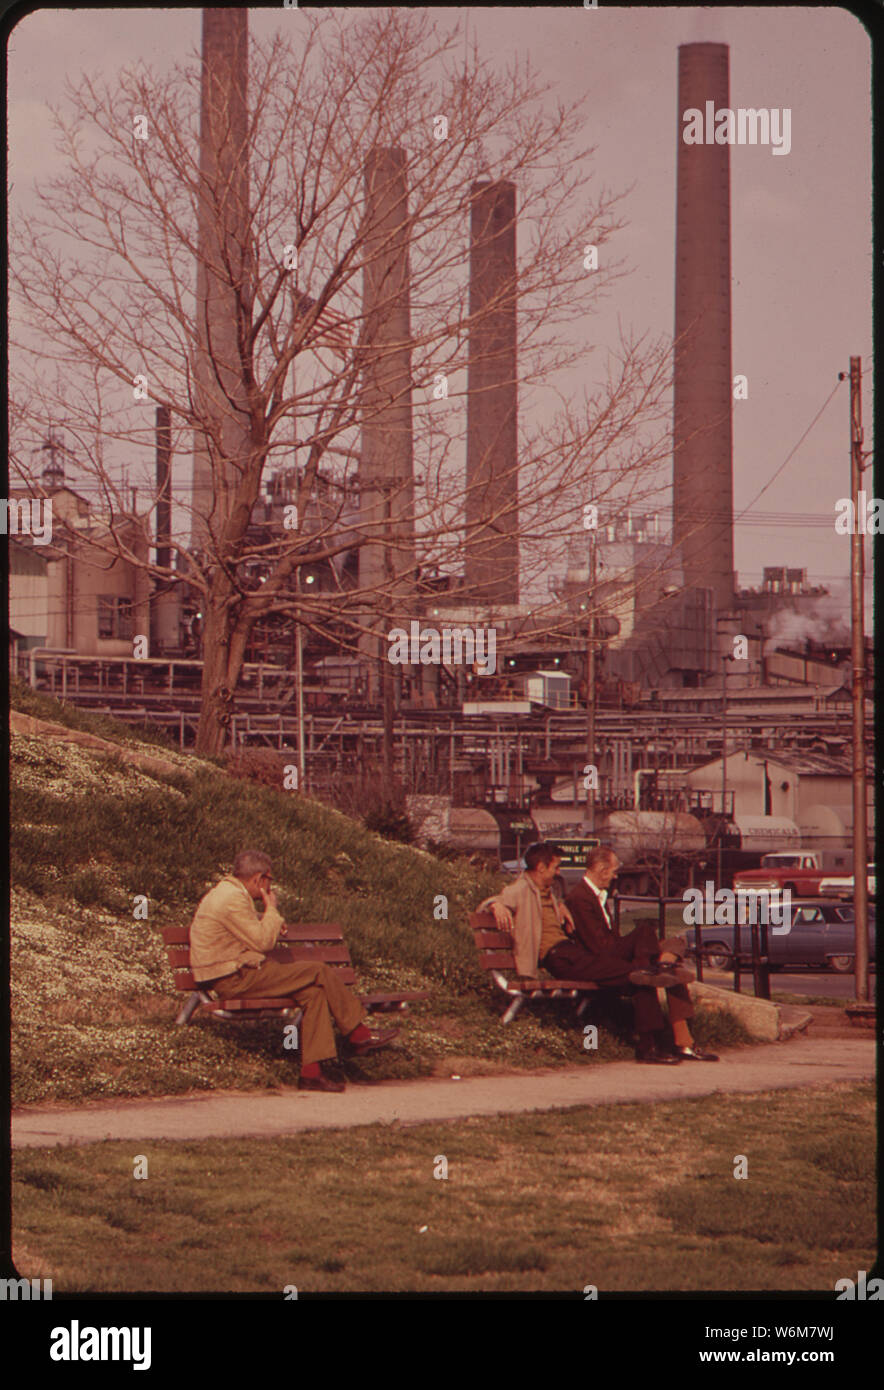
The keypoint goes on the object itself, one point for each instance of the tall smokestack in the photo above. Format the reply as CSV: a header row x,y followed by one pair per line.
x,y
491,570
386,468
222,233
703,485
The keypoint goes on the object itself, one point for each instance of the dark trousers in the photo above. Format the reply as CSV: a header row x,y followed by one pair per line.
x,y
569,960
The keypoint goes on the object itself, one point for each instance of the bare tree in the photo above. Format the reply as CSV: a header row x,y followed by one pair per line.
x,y
144,245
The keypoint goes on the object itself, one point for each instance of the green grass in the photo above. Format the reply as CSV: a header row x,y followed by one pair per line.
x,y
26,700
92,996
626,1197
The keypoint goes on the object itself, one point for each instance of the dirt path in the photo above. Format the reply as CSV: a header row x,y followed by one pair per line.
x,y
234,1114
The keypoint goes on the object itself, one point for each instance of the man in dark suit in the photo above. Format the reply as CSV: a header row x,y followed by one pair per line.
x,y
636,964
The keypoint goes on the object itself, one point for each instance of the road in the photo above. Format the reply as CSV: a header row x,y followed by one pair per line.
x,y
823,984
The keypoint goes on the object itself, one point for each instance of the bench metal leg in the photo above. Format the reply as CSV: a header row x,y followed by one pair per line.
x,y
514,1008
193,1002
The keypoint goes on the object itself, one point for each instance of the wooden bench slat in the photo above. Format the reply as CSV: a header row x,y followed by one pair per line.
x,y
484,937
549,985
404,994
480,920
252,1001
176,936
568,984
497,960
295,931
315,931
184,979
330,954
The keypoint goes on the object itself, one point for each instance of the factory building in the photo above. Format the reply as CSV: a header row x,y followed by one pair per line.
x,y
661,588
77,593
812,789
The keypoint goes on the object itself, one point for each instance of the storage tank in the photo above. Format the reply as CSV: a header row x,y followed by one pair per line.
x,y
656,849
645,834
763,834
829,827
473,830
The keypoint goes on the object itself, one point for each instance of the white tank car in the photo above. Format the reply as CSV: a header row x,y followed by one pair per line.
x,y
646,840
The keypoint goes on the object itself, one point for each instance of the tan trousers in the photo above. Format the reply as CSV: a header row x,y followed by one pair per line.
x,y
315,986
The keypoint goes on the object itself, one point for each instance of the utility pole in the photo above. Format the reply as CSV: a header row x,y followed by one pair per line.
x,y
857,575
590,686
299,667
299,640
723,765
386,671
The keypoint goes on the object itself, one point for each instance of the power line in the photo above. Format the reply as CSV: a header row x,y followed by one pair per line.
x,y
792,451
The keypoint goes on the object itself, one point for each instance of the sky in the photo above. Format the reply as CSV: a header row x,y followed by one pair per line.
x,y
801,232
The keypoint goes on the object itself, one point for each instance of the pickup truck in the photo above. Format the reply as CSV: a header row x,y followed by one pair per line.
x,y
801,871
842,886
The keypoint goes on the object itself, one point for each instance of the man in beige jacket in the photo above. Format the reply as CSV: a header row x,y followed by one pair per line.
x,y
229,944
529,909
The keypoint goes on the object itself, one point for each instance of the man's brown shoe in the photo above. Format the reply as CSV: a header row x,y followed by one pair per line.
x,y
320,1083
372,1043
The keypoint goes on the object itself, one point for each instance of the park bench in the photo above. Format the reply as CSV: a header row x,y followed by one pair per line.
x,y
301,941
495,949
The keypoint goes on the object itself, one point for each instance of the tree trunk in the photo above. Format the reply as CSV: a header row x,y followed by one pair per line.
x,y
222,664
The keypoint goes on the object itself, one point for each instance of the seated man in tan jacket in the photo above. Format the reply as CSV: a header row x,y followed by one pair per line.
x,y
229,944
529,910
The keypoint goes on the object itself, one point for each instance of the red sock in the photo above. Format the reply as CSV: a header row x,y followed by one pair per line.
x,y
360,1034
310,1070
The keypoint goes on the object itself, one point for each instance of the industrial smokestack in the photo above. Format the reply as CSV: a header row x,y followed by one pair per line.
x,y
164,502
222,235
703,510
491,570
386,468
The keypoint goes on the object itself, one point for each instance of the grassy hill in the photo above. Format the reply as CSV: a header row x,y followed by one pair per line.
x,y
93,1002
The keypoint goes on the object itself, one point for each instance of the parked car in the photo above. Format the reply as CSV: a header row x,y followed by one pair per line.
x,y
821,936
842,886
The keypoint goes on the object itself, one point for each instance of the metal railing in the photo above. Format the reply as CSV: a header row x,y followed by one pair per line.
x,y
757,956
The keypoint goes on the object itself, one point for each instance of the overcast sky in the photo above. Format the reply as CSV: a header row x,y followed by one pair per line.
x,y
801,223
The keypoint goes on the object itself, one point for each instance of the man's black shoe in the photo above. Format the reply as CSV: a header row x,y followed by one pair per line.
x,y
695,1054
372,1043
320,1083
663,1059
662,976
